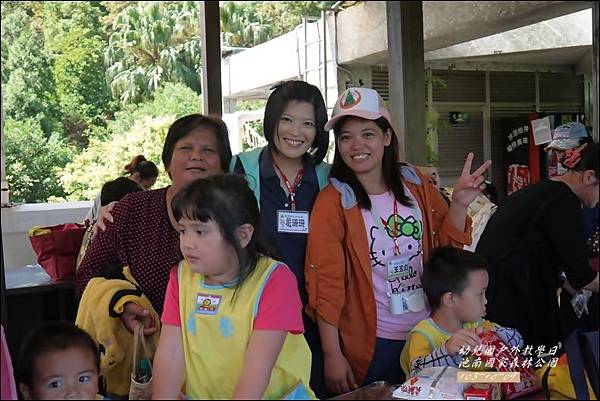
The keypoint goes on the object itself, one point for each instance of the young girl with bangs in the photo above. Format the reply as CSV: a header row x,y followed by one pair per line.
x,y
232,319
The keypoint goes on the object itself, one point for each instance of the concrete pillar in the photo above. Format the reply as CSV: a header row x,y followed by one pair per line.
x,y
211,58
406,68
229,105
595,68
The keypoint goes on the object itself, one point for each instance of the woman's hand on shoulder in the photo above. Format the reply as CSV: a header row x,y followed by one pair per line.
x,y
103,218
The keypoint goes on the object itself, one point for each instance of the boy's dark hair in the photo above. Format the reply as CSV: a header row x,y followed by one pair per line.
x,y
448,271
227,200
53,336
185,125
144,167
115,190
302,92
390,167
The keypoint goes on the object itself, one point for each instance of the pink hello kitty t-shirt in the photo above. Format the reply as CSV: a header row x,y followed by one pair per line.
x,y
406,226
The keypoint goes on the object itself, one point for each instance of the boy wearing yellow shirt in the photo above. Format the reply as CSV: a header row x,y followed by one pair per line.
x,y
454,281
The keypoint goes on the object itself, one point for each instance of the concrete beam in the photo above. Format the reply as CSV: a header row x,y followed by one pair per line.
x,y
452,22
407,78
211,58
566,31
250,73
257,67
361,31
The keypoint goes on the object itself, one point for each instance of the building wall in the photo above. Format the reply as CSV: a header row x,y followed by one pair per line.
x,y
511,95
361,31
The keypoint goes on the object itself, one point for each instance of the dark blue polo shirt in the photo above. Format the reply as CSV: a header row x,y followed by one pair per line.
x,y
290,248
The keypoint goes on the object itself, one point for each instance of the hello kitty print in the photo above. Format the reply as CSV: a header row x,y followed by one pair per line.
x,y
406,226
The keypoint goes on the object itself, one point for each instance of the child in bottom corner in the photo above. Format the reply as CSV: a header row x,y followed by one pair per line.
x,y
232,319
454,282
59,361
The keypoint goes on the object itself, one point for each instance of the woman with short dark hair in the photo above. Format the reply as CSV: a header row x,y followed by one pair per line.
x,y
143,234
286,176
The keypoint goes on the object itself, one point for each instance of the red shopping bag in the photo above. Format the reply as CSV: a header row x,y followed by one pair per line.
x,y
57,248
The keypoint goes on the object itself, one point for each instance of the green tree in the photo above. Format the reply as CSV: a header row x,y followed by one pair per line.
x,y
241,26
153,43
81,86
30,90
14,21
174,99
62,17
74,35
33,161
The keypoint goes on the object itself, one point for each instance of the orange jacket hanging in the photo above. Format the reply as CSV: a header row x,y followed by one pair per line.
x,y
338,268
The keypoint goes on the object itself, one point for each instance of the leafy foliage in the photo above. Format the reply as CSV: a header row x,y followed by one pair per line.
x,y
250,23
33,161
83,97
31,91
88,84
153,43
74,36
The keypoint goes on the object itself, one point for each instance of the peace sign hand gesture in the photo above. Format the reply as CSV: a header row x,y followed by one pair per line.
x,y
469,185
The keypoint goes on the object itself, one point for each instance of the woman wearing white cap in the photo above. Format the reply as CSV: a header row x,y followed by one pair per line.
x,y
370,233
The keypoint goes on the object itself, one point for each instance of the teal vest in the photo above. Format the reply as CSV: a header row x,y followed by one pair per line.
x,y
250,162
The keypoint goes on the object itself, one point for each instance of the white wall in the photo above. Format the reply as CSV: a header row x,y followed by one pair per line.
x,y
17,220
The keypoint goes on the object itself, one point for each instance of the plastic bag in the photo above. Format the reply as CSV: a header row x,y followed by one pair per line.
x,y
529,382
437,383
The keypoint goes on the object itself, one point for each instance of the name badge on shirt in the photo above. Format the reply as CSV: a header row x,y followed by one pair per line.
x,y
397,267
295,222
207,304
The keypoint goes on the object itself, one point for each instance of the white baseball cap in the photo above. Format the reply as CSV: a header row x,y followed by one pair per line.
x,y
359,102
